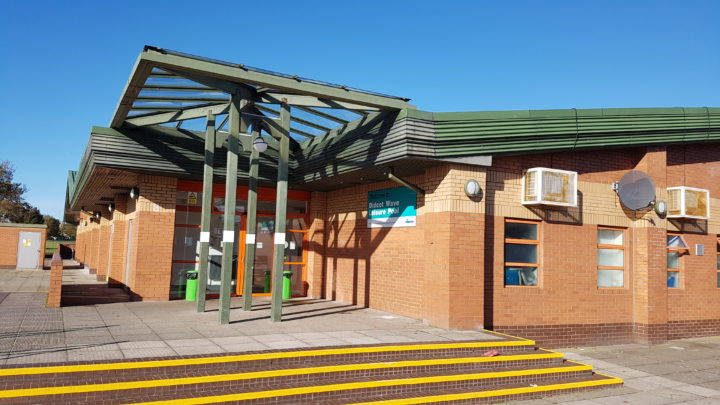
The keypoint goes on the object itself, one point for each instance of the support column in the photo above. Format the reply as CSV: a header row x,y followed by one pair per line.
x,y
237,124
280,213
251,222
206,211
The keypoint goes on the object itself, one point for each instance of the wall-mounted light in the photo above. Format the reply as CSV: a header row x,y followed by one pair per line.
x,y
134,193
259,144
97,215
472,189
111,207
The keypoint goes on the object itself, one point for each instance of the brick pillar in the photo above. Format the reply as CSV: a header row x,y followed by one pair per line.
x,y
103,247
56,273
650,295
316,245
153,237
92,248
118,238
454,227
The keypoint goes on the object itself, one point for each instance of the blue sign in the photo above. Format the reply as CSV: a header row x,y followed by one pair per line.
x,y
391,208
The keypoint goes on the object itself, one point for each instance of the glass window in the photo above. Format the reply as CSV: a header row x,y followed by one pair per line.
x,y
676,247
611,257
611,278
521,253
520,230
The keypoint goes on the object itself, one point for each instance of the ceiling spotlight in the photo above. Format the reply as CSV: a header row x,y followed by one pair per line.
x,y
134,193
260,145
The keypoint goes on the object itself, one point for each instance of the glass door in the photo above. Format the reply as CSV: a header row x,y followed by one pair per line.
x,y
216,250
295,255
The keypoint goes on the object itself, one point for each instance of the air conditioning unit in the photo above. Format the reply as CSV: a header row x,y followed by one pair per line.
x,y
549,187
688,202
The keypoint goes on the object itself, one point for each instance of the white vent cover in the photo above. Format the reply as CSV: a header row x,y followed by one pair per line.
x,y
549,187
688,202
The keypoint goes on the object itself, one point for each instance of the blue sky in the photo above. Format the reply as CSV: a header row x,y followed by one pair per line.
x,y
63,65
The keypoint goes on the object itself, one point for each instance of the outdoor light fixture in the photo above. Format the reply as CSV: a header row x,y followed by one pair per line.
x,y
472,188
97,215
260,145
134,193
111,207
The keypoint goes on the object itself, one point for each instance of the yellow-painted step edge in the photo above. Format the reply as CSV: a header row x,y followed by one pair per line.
x,y
75,389
256,356
495,393
361,385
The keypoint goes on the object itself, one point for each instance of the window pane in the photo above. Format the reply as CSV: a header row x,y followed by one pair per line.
x,y
675,241
673,260
610,237
718,280
673,279
611,257
520,275
718,262
610,278
297,206
185,243
517,253
516,230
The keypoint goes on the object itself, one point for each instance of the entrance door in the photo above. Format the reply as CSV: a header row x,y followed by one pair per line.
x,y
28,256
216,251
295,255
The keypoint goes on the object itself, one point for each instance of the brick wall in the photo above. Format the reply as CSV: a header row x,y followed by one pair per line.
x,y
153,230
9,240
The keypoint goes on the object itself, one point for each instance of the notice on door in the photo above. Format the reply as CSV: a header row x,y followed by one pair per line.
x,y
391,208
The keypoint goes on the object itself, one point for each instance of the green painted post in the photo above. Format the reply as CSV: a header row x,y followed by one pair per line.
x,y
280,213
228,241
206,211
251,222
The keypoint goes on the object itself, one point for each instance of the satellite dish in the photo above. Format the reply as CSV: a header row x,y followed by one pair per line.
x,y
636,190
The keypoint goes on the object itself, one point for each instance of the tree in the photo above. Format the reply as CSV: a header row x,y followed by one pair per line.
x,y
13,208
53,226
10,190
68,231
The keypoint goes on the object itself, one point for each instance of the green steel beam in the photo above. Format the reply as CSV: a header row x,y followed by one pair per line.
x,y
162,99
294,119
237,125
280,215
251,222
139,75
245,91
296,100
323,115
302,133
180,115
235,73
208,167
174,87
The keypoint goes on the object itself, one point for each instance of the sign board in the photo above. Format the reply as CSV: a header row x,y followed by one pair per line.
x,y
391,208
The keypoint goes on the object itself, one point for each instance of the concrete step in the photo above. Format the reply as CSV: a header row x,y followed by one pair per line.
x,y
322,375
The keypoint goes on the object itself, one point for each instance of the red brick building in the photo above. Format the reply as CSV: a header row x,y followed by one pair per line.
x,y
589,271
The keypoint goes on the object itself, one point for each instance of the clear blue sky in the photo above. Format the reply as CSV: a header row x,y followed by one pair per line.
x,y
64,64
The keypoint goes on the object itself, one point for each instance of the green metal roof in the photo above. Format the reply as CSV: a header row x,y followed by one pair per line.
x,y
532,131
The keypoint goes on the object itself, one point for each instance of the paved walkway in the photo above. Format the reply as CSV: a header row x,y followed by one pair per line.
x,y
678,372
31,333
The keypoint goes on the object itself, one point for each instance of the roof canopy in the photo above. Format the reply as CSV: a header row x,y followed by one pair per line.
x,y
168,87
